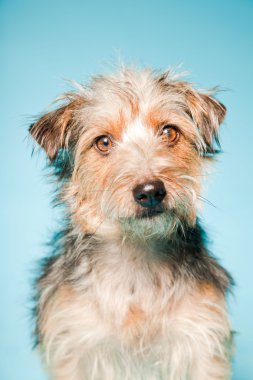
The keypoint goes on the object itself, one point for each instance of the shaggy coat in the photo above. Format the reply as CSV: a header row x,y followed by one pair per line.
x,y
131,292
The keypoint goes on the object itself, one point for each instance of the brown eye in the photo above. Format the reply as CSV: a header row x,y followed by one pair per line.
x,y
170,134
104,144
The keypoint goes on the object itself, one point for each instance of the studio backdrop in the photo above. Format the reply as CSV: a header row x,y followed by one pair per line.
x,y
46,43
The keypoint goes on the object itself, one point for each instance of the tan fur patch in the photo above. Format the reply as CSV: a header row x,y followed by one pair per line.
x,y
209,291
134,316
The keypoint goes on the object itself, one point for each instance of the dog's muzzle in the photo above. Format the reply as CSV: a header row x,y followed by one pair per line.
x,y
149,194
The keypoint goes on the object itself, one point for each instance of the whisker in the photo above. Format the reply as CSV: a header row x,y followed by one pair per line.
x,y
204,200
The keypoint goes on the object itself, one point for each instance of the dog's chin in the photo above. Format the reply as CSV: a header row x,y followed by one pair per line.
x,y
150,223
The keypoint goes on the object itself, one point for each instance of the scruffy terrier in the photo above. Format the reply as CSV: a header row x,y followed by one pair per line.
x,y
131,291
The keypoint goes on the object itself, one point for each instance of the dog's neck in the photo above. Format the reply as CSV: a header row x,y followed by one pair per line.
x,y
184,254
184,238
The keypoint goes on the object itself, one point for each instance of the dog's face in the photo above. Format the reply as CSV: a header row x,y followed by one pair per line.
x,y
138,141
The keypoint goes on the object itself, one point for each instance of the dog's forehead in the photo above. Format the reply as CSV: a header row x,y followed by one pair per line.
x,y
138,90
130,107
137,130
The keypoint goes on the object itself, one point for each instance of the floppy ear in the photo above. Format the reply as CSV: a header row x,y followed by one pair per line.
x,y
208,113
54,130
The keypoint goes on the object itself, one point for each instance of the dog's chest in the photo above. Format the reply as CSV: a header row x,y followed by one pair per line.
x,y
135,294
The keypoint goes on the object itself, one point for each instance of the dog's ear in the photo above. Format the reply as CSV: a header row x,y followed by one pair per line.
x,y
55,130
208,113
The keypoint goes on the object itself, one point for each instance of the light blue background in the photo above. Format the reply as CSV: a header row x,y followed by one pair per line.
x,y
43,42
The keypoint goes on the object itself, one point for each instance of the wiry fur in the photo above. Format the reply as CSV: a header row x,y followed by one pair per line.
x,y
127,295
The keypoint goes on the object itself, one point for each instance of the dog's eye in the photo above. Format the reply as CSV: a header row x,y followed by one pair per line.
x,y
103,144
170,134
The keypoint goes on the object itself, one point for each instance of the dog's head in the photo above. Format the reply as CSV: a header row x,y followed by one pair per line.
x,y
134,143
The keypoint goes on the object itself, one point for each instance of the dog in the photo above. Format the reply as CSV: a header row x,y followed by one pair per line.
x,y
130,291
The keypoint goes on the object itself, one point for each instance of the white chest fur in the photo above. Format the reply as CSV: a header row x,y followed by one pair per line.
x,y
128,319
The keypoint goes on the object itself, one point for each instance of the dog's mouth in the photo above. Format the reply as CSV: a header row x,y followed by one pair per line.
x,y
150,212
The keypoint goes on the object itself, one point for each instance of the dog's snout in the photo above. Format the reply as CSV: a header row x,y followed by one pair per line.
x,y
149,194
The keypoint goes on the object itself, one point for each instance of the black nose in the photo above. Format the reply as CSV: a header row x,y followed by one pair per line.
x,y
149,194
